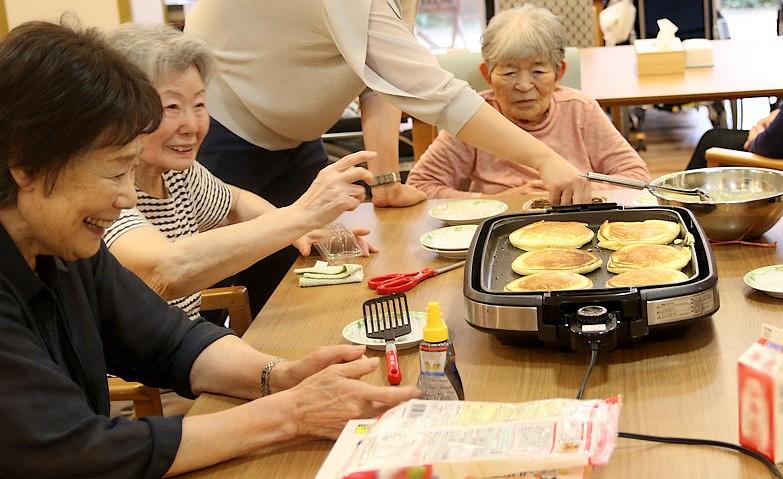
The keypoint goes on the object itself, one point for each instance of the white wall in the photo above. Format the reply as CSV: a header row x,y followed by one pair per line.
x,y
104,14
100,13
147,11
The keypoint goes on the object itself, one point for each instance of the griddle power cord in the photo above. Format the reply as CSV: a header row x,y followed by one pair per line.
x,y
593,356
679,440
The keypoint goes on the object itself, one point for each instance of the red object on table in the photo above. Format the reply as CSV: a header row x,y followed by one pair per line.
x,y
400,282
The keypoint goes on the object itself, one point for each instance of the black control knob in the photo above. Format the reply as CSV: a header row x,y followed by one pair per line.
x,y
592,314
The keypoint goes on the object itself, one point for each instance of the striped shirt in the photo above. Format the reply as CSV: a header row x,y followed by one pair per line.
x,y
197,201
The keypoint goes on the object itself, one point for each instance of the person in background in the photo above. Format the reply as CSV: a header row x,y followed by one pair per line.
x,y
287,70
189,230
765,138
71,109
523,50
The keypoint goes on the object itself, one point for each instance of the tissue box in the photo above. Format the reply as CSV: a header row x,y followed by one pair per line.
x,y
698,53
760,381
652,61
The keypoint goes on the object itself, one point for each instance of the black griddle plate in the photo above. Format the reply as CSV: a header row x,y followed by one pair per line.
x,y
488,268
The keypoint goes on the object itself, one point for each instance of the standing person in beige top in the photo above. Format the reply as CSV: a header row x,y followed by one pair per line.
x,y
286,70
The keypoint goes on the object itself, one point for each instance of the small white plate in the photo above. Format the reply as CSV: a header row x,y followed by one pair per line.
x,y
768,279
354,332
450,254
463,212
645,199
450,238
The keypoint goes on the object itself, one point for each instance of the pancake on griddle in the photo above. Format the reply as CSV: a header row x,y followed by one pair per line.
x,y
637,256
556,259
646,277
616,234
551,234
549,281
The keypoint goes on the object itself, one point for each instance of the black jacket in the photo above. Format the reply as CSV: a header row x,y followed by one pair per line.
x,y
61,331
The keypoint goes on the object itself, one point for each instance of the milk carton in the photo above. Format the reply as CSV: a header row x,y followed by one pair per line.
x,y
760,374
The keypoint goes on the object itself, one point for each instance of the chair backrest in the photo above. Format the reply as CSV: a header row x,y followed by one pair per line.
x,y
578,16
464,64
725,157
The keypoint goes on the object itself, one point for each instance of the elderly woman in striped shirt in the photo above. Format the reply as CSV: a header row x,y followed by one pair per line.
x,y
189,230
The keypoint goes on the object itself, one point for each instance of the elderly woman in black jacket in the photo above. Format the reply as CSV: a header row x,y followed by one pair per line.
x,y
71,109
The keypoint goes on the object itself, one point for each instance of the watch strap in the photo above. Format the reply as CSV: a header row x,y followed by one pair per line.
x,y
387,178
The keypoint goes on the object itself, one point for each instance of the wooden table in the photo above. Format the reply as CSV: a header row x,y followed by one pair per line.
x,y
743,69
683,386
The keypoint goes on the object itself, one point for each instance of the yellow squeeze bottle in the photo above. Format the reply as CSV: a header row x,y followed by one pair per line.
x,y
438,377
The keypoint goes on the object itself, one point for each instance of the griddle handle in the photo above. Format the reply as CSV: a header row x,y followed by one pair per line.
x,y
585,207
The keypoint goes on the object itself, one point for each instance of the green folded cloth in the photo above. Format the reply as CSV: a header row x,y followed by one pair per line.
x,y
322,274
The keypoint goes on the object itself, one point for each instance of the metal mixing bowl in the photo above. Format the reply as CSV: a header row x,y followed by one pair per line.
x,y
746,202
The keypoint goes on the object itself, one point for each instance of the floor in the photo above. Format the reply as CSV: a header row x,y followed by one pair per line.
x,y
672,137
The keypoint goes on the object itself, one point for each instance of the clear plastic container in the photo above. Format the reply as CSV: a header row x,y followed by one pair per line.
x,y
339,243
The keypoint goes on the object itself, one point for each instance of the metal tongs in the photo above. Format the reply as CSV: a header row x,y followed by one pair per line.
x,y
641,185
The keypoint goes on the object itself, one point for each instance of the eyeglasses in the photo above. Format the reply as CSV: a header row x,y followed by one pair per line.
x,y
511,77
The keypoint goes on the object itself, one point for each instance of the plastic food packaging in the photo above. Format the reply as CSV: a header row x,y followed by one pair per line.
x,y
460,439
339,243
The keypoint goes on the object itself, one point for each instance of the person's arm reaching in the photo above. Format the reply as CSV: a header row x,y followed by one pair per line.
x,y
405,73
381,131
312,398
175,269
491,131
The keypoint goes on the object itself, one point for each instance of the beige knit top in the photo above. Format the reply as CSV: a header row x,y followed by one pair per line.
x,y
286,69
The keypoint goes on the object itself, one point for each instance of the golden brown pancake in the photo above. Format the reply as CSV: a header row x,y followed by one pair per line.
x,y
556,259
637,256
550,281
616,234
551,234
647,276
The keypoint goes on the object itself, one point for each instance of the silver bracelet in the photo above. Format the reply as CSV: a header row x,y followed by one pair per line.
x,y
266,374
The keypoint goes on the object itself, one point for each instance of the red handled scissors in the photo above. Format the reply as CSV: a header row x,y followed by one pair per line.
x,y
399,282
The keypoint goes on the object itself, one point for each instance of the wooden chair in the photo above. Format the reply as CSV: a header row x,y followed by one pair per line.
x,y
723,156
146,400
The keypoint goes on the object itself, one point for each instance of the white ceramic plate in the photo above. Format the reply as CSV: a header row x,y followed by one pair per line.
x,y
645,199
450,238
768,279
354,332
450,254
462,212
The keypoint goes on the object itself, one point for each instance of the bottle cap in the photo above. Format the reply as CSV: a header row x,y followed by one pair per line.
x,y
436,330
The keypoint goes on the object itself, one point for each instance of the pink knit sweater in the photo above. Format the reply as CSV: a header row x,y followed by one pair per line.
x,y
575,127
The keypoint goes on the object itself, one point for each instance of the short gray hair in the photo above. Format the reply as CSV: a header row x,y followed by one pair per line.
x,y
160,50
524,32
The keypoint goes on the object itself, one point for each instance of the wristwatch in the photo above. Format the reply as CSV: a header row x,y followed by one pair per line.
x,y
387,178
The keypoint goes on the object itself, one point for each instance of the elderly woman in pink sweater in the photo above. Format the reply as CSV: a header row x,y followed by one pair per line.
x,y
523,50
